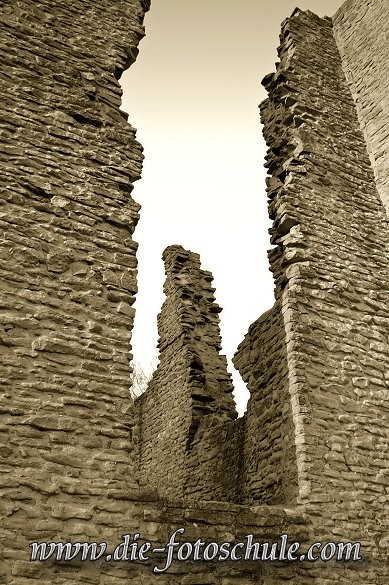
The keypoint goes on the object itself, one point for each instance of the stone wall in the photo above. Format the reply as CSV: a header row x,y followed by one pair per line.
x,y
331,270
187,412
68,275
269,472
361,31
78,461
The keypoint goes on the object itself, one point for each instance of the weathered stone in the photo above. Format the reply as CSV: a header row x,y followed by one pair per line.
x,y
185,448
316,432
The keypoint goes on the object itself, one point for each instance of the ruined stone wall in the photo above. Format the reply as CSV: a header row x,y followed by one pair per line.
x,y
187,412
68,469
68,274
331,269
269,472
361,31
317,364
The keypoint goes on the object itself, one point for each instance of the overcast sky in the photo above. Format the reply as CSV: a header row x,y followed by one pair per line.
x,y
193,95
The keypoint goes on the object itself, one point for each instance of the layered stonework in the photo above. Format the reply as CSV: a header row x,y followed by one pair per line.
x,y
361,31
80,461
68,276
188,409
269,473
330,266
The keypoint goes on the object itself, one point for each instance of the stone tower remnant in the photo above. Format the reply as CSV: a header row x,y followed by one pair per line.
x,y
188,408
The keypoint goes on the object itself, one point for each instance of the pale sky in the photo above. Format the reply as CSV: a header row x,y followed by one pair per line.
x,y
193,95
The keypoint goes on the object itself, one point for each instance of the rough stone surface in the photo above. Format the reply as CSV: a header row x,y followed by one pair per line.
x,y
269,470
187,413
361,30
68,275
316,430
81,462
330,266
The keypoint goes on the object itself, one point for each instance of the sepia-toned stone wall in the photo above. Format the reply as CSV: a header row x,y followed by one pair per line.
x,y
269,472
331,273
361,30
81,462
185,414
68,276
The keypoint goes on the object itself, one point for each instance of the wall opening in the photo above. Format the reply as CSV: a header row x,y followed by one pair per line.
x,y
203,181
